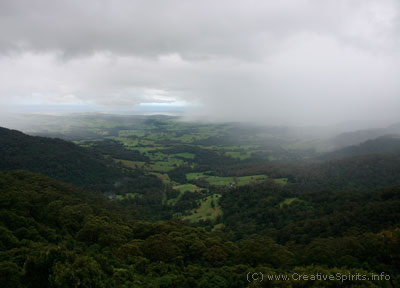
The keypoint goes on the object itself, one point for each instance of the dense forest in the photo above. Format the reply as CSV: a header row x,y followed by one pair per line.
x,y
55,235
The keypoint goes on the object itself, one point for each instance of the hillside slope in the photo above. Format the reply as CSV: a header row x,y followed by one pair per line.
x,y
368,171
384,144
66,161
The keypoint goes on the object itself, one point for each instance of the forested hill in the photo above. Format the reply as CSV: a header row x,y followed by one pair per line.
x,y
370,165
360,136
61,160
384,144
55,235
302,217
369,171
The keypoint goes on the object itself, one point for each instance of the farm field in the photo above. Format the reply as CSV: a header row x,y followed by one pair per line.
x,y
208,210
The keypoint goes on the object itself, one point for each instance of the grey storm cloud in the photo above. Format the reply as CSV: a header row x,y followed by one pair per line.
x,y
303,61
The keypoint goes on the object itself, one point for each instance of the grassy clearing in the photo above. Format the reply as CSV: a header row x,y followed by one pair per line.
x,y
245,180
206,210
219,181
158,156
168,165
160,168
186,187
282,181
195,176
182,189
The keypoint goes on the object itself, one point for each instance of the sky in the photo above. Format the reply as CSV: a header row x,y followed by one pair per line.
x,y
304,62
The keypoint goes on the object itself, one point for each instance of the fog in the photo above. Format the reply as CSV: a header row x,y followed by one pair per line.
x,y
276,62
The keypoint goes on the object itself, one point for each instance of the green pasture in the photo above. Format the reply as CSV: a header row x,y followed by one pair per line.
x,y
206,210
186,187
282,181
182,189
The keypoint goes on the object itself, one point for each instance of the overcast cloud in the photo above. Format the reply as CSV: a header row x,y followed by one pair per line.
x,y
315,61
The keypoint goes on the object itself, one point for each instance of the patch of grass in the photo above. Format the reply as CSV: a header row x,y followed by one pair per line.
x,y
160,168
209,209
182,189
168,165
158,156
219,181
195,176
282,181
186,187
245,180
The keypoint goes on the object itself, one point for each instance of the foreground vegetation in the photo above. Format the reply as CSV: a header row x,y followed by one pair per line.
x,y
55,235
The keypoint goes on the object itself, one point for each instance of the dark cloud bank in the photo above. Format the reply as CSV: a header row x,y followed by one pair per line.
x,y
303,62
